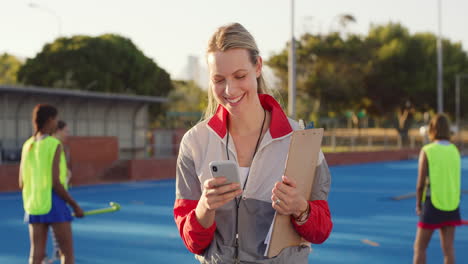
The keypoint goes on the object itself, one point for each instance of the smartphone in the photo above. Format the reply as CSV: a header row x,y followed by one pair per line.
x,y
225,168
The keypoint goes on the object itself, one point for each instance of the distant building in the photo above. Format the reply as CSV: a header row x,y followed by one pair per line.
x,y
194,71
86,114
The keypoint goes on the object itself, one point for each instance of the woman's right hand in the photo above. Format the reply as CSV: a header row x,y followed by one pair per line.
x,y
78,211
215,194
418,209
213,197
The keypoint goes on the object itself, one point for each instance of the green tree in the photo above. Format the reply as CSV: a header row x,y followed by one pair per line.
x,y
403,75
107,63
9,67
187,102
389,73
187,97
330,73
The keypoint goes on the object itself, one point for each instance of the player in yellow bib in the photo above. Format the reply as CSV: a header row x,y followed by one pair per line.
x,y
44,186
438,191
61,133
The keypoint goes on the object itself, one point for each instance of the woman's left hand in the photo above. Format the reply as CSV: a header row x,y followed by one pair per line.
x,y
286,198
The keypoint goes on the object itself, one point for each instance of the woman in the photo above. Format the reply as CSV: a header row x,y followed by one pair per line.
x,y
44,188
61,133
438,191
244,124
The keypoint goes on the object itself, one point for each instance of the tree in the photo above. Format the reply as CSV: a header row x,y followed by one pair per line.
x,y
330,73
187,97
187,102
107,63
388,73
403,75
9,66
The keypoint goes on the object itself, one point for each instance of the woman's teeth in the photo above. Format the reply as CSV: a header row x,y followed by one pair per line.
x,y
234,100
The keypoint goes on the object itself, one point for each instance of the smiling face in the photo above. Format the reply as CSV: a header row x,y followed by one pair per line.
x,y
233,78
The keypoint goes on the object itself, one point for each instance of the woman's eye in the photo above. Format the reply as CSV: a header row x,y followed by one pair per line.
x,y
240,77
219,81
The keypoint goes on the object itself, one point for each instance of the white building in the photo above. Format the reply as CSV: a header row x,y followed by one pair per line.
x,y
86,114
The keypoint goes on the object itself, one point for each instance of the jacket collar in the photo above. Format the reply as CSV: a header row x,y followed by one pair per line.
x,y
279,124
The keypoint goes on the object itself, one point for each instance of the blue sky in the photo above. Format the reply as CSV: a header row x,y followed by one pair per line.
x,y
168,31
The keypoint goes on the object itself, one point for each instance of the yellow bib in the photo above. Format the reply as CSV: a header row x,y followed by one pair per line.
x,y
444,175
36,166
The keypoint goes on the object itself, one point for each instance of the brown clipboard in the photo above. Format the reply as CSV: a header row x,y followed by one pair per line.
x,y
301,165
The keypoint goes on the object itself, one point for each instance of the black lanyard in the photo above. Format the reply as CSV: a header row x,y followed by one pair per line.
x,y
238,200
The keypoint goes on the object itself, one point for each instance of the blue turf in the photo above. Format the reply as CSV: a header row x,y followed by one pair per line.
x,y
144,231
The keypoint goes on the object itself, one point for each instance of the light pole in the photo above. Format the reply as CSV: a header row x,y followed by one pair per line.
x,y
50,11
292,69
458,78
440,95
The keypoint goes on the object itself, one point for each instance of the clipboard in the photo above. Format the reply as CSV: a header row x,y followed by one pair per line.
x,y
301,165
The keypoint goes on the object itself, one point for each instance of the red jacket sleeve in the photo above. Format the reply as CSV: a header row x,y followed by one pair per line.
x,y
319,225
196,238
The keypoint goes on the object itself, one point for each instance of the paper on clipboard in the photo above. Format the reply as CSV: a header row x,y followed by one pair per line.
x,y
268,237
301,165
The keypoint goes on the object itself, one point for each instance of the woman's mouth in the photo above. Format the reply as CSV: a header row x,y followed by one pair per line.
x,y
234,100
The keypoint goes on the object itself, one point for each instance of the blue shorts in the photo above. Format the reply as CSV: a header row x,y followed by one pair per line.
x,y
433,218
57,214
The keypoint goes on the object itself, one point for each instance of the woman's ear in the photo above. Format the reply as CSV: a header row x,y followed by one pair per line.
x,y
258,67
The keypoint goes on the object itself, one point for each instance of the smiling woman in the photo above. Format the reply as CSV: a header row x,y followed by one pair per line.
x,y
234,78
234,62
226,223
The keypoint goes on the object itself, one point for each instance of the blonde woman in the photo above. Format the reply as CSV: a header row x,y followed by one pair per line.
x,y
244,124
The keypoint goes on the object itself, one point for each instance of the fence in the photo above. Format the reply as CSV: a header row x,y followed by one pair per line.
x,y
166,141
373,139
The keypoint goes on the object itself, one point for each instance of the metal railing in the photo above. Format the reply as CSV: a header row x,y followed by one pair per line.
x,y
374,139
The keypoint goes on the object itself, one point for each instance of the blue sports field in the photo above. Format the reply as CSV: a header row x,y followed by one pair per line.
x,y
369,227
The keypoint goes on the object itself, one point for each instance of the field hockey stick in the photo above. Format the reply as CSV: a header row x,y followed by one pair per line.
x,y
113,208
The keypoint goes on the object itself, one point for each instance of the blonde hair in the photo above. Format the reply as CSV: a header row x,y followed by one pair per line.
x,y
233,36
439,128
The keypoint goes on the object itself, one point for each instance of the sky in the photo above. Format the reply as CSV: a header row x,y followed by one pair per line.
x,y
171,30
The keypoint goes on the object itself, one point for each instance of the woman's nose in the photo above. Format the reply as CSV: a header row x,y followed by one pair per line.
x,y
230,88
